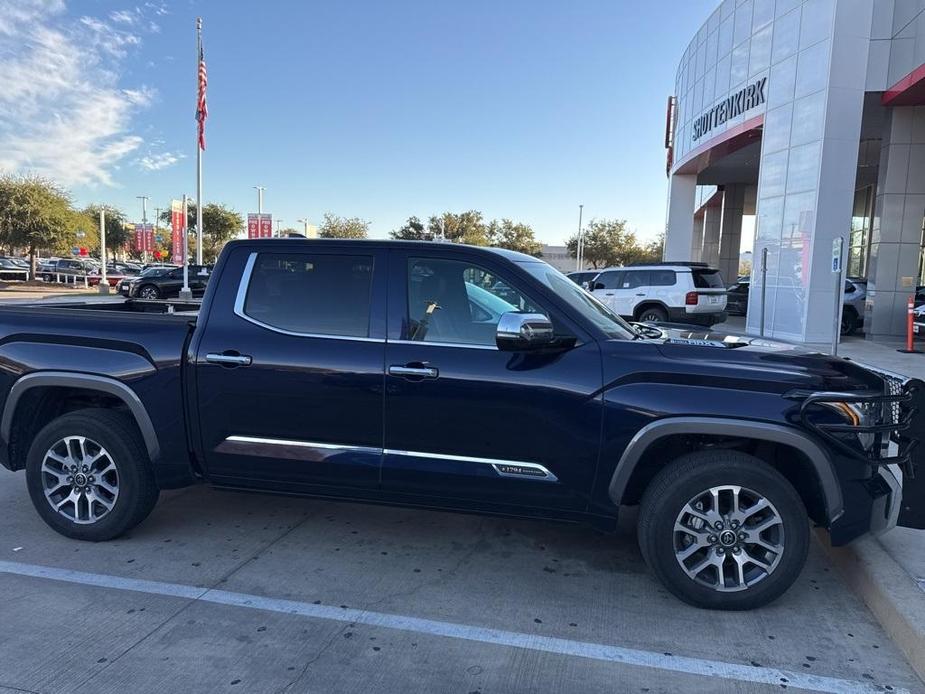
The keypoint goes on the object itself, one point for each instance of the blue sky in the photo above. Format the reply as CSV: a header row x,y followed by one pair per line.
x,y
381,110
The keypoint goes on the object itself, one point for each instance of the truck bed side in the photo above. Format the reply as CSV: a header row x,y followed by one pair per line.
x,y
55,359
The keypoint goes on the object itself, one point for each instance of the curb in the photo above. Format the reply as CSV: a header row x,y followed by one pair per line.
x,y
888,591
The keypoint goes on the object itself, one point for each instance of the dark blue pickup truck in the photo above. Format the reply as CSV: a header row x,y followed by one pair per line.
x,y
449,376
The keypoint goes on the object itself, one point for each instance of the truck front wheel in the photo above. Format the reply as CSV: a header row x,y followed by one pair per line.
x,y
723,530
89,475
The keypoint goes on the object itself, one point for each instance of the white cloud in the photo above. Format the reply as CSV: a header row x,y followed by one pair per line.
x,y
123,17
156,162
157,8
63,110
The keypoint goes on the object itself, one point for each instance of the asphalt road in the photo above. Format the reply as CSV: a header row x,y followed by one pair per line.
x,y
233,592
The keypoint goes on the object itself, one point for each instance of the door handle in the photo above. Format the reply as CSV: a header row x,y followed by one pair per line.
x,y
608,293
418,371
641,294
229,359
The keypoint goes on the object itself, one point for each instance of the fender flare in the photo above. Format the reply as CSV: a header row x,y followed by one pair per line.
x,y
103,384
818,457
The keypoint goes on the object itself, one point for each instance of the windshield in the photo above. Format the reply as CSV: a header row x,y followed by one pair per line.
x,y
581,301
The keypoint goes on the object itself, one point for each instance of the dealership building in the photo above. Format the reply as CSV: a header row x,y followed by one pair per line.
x,y
795,123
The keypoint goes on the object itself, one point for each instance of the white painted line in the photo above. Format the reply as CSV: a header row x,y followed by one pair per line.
x,y
533,642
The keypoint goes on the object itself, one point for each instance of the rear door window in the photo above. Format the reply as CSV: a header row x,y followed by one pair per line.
x,y
707,279
310,294
661,278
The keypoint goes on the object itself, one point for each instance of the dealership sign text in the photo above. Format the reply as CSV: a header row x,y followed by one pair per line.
x,y
746,98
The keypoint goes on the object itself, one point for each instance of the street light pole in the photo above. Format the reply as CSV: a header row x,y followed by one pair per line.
x,y
278,223
260,190
104,283
579,252
144,218
304,226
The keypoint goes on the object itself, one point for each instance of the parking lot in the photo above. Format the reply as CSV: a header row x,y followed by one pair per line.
x,y
226,591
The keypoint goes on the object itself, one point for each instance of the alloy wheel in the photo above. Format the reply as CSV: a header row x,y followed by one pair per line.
x,y
149,293
80,479
728,538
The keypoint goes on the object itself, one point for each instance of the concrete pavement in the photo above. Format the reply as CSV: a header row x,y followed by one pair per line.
x,y
223,591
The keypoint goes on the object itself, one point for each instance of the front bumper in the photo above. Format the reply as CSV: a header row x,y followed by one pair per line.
x,y
892,479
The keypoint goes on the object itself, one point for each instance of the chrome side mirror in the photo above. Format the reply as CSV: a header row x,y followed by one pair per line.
x,y
523,331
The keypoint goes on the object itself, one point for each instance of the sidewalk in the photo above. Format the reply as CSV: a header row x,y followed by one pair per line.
x,y
14,293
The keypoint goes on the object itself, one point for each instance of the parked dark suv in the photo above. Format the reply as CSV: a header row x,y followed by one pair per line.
x,y
165,283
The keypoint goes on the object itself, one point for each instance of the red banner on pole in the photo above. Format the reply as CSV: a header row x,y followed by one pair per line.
x,y
259,226
266,226
144,238
177,229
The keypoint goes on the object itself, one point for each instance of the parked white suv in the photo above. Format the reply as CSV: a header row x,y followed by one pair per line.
x,y
664,292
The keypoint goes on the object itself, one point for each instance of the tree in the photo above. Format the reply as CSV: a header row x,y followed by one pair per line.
x,y
465,227
334,227
513,236
412,230
34,213
607,242
220,224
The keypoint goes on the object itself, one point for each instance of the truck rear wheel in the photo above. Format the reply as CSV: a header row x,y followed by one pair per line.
x,y
89,475
723,530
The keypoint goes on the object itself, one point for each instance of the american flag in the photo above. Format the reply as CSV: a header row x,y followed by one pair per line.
x,y
202,111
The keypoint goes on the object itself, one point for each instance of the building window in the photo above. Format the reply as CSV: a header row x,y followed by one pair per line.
x,y
859,238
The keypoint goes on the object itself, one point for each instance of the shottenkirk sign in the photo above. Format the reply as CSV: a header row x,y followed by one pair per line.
x,y
746,98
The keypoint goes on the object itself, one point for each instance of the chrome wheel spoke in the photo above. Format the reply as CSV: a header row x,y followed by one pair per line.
x,y
740,560
66,461
108,487
767,523
761,564
109,467
69,499
756,540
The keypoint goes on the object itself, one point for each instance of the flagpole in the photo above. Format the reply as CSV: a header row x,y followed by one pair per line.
x,y
198,150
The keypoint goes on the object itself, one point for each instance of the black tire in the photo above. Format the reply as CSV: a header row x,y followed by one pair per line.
x,y
137,489
653,314
849,321
695,473
149,289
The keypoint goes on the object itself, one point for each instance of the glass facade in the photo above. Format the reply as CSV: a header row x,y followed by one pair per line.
x,y
859,238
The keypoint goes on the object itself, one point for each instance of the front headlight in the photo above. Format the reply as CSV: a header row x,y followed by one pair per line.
x,y
859,414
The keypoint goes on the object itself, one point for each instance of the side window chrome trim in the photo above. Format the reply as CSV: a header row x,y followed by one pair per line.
x,y
241,297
